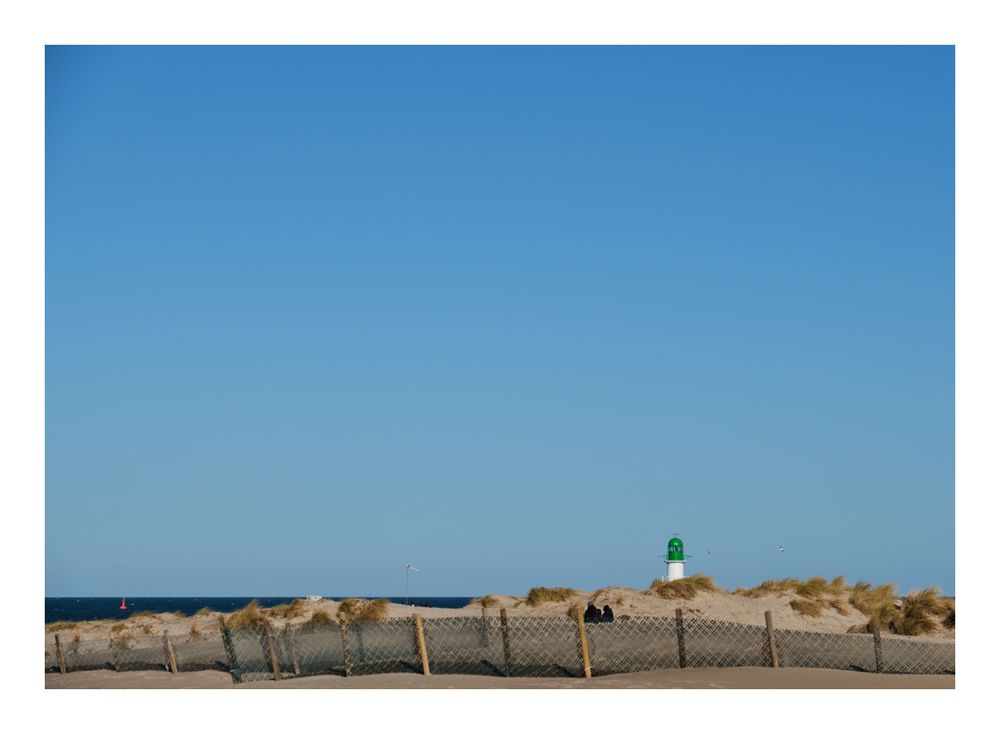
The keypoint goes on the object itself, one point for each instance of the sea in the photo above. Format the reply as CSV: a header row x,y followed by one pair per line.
x,y
85,608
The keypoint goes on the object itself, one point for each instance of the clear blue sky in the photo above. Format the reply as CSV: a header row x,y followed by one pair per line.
x,y
514,315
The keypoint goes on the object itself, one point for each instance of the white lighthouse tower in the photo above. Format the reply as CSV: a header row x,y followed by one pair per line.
x,y
675,559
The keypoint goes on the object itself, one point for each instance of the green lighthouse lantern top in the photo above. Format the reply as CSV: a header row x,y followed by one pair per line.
x,y
675,550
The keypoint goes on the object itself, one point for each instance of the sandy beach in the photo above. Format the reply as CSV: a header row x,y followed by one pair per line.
x,y
466,652
689,678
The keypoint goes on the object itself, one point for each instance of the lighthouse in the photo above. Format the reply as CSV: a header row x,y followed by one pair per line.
x,y
675,559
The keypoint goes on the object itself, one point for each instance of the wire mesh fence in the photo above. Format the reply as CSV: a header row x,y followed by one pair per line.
x,y
543,647
800,649
465,645
713,644
906,655
122,653
311,650
204,651
633,644
499,646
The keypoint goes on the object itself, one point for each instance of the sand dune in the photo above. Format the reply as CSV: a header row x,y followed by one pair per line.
x,y
718,605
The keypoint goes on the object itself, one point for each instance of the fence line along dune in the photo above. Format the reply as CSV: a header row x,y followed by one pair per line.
x,y
815,605
252,648
808,626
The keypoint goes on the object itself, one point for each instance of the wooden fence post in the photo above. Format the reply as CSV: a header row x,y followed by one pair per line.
x,y
59,656
681,657
772,643
168,648
269,637
347,649
484,638
505,631
584,650
421,644
877,635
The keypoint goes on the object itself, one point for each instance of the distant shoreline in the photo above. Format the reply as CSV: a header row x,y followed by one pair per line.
x,y
98,608
105,608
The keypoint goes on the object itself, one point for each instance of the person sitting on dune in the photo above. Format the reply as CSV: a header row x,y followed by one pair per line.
x,y
608,615
592,613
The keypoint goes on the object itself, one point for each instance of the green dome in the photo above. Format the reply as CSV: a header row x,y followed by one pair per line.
x,y
675,550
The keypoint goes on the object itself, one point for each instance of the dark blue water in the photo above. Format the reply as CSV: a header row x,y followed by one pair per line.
x,y
80,609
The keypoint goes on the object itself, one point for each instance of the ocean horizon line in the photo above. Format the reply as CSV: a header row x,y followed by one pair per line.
x,y
90,608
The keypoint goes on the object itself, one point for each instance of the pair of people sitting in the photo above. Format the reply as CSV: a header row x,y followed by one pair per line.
x,y
593,614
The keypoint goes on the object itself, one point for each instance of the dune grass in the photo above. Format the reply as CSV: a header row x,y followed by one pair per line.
x,y
286,611
807,607
143,613
816,587
611,594
923,613
204,611
320,618
930,601
541,594
486,601
878,602
59,626
120,627
864,597
194,631
572,611
352,609
812,596
838,603
914,621
771,586
920,613
686,588
813,589
376,609
249,616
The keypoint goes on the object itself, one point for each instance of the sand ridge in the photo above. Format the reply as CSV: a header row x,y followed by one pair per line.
x,y
716,605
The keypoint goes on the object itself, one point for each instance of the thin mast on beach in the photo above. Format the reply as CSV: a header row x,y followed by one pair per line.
x,y
408,569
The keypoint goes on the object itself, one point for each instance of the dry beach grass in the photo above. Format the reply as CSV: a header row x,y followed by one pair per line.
x,y
687,588
814,604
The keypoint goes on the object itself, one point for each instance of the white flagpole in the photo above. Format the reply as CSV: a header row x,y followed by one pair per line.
x,y
408,569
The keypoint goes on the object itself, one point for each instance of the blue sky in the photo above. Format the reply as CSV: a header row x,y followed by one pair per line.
x,y
514,315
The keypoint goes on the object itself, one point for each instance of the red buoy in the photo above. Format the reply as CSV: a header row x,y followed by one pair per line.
x,y
123,604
